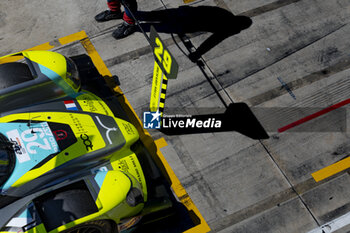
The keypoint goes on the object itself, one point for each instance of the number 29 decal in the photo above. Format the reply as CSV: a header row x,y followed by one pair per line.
x,y
163,57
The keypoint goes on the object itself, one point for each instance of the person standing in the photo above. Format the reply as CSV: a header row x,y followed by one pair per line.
x,y
128,26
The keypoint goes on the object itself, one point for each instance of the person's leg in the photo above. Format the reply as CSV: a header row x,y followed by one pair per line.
x,y
114,5
128,27
114,12
129,5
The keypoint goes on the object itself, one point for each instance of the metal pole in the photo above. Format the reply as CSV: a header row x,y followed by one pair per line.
x,y
137,21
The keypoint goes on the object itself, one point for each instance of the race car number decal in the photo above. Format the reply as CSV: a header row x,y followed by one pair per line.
x,y
31,141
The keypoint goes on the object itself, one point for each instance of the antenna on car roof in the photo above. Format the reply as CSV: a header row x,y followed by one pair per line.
x,y
30,122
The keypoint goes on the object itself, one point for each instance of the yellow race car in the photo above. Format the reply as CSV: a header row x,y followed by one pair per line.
x,y
70,161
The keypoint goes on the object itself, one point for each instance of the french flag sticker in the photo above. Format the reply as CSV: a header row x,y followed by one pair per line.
x,y
70,105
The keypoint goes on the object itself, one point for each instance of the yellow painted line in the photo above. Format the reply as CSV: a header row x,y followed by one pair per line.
x,y
97,60
160,143
10,59
331,170
45,46
49,45
181,192
188,1
95,57
73,37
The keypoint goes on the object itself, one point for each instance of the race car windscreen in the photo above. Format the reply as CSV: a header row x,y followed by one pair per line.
x,y
72,73
7,159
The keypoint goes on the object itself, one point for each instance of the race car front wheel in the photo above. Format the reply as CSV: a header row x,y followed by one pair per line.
x,y
99,226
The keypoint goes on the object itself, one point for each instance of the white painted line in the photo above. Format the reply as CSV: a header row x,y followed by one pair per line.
x,y
333,225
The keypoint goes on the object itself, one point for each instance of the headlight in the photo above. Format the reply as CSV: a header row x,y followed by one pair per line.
x,y
134,197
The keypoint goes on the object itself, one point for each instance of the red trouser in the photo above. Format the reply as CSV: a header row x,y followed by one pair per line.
x,y
114,5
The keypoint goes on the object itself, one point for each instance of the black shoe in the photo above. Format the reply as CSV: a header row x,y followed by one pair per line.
x,y
124,30
108,15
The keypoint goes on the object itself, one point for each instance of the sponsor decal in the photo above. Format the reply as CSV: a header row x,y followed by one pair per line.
x,y
128,129
77,124
87,142
45,127
127,223
60,134
21,153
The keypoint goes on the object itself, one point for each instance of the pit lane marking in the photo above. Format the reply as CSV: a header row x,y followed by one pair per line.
x,y
180,191
315,115
331,169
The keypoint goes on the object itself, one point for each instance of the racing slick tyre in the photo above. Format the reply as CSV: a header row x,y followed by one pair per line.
x,y
99,226
14,73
